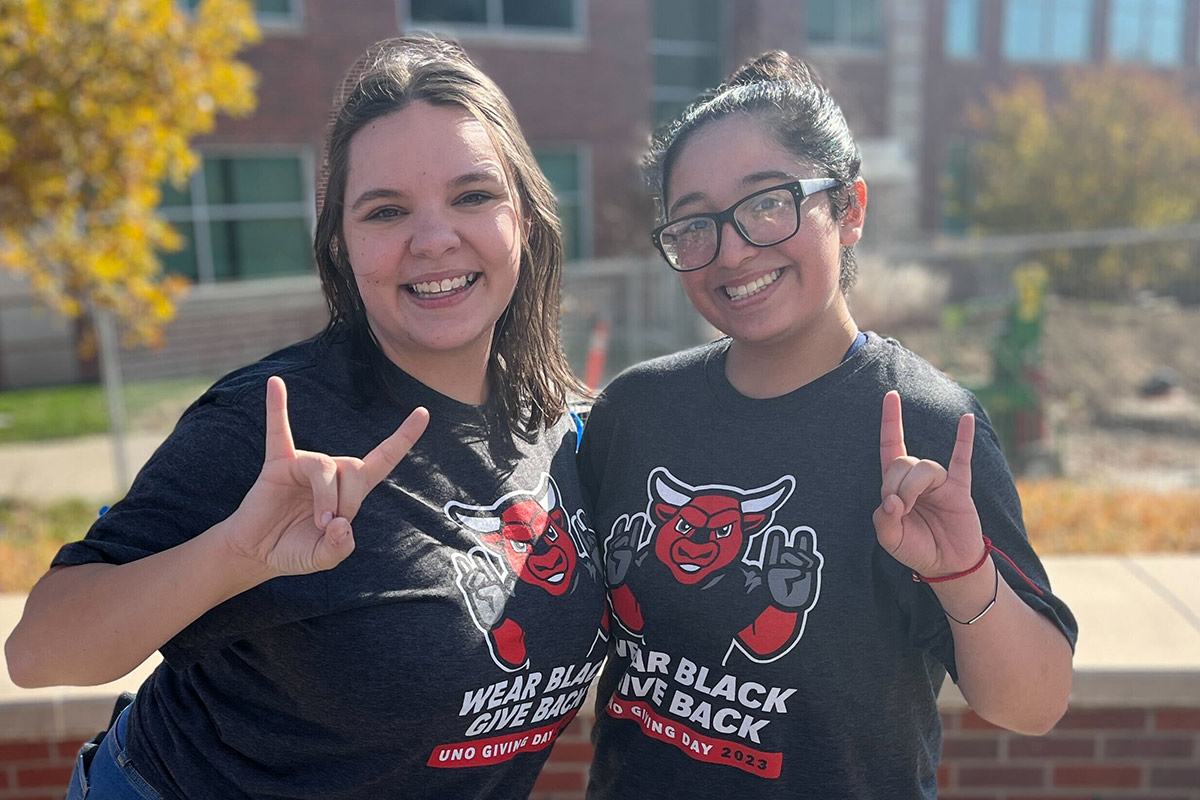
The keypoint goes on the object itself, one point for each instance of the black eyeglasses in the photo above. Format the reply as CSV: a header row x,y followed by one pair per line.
x,y
765,218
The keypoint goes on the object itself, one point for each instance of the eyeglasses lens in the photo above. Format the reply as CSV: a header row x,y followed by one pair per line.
x,y
762,219
767,218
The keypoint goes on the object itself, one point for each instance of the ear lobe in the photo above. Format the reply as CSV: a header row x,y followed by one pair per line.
x,y
850,227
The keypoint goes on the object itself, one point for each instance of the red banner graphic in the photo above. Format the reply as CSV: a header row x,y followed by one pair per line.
x,y
697,745
481,752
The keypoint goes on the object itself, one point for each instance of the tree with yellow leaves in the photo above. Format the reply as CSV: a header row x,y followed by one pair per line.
x,y
98,103
1119,148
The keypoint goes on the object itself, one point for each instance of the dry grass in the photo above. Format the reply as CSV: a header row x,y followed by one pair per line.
x,y
30,535
1064,517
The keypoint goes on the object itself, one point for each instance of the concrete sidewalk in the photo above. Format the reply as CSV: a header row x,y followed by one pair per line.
x,y
60,469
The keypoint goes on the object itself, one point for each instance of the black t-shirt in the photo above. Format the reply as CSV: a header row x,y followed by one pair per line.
x,y
764,645
441,659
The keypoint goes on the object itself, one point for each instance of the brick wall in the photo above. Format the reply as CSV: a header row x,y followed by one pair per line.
x,y
1093,754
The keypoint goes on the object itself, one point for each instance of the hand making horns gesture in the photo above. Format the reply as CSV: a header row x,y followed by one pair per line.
x,y
296,517
926,518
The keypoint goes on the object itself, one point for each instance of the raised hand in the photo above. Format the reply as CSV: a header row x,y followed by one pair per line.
x,y
296,517
621,547
926,518
789,573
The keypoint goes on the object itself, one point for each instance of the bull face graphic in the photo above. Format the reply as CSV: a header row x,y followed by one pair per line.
x,y
702,530
530,532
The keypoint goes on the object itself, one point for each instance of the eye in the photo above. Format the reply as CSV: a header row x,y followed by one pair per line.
x,y
693,227
683,527
385,213
724,532
475,198
518,547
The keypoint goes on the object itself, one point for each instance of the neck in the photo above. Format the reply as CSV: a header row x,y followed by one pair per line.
x,y
771,369
460,375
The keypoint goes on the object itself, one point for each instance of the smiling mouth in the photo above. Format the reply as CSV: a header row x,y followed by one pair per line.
x,y
443,288
752,288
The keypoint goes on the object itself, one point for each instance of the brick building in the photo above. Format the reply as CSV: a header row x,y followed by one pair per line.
x,y
589,80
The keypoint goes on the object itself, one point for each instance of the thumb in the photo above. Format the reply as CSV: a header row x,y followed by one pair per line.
x,y
335,544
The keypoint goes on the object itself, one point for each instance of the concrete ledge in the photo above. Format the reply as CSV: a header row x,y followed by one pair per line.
x,y
1139,646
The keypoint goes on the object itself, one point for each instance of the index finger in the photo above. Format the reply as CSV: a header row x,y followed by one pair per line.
x,y
387,454
279,432
891,431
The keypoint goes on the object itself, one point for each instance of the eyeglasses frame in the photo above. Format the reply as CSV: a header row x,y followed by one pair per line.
x,y
800,189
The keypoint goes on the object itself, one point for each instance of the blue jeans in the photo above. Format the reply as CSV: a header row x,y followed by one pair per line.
x,y
111,776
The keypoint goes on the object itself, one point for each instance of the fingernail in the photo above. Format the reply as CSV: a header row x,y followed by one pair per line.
x,y
327,517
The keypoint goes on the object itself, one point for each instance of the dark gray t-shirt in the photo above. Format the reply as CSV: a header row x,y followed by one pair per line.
x,y
764,645
441,659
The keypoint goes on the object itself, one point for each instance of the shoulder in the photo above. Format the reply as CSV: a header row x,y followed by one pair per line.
x,y
316,365
925,390
653,374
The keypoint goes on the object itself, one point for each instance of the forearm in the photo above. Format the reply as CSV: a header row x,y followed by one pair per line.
x,y
1014,665
93,623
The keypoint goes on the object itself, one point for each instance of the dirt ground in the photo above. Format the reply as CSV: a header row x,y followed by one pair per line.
x,y
1102,428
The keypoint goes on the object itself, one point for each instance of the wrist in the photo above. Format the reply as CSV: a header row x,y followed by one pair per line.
x,y
967,599
235,569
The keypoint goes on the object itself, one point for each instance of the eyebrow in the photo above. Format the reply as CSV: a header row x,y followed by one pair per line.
x,y
747,181
466,179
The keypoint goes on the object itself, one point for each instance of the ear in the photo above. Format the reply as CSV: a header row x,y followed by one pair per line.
x,y
663,512
752,522
850,227
559,517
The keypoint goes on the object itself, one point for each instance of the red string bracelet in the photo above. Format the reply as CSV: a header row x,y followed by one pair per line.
x,y
987,551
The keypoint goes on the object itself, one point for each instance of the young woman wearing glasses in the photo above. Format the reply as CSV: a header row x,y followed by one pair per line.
x,y
793,566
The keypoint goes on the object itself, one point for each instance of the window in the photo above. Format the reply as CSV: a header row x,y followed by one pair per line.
x,y
957,187
961,39
500,15
281,13
1149,31
568,172
686,47
1048,30
242,216
854,23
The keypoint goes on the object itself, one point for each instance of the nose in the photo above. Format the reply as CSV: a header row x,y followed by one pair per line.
x,y
432,236
734,248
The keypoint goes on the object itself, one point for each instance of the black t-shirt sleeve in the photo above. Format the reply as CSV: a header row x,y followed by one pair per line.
x,y
995,495
195,479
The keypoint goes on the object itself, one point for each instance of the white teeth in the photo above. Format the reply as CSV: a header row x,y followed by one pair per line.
x,y
435,288
754,287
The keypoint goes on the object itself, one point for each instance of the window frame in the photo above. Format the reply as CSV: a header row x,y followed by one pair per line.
x,y
582,197
1147,13
495,31
1048,11
200,213
685,48
842,11
976,7
271,21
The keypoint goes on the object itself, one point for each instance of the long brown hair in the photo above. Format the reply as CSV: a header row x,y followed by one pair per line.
x,y
527,371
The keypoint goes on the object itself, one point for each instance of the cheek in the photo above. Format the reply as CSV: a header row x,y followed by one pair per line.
x,y
694,287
